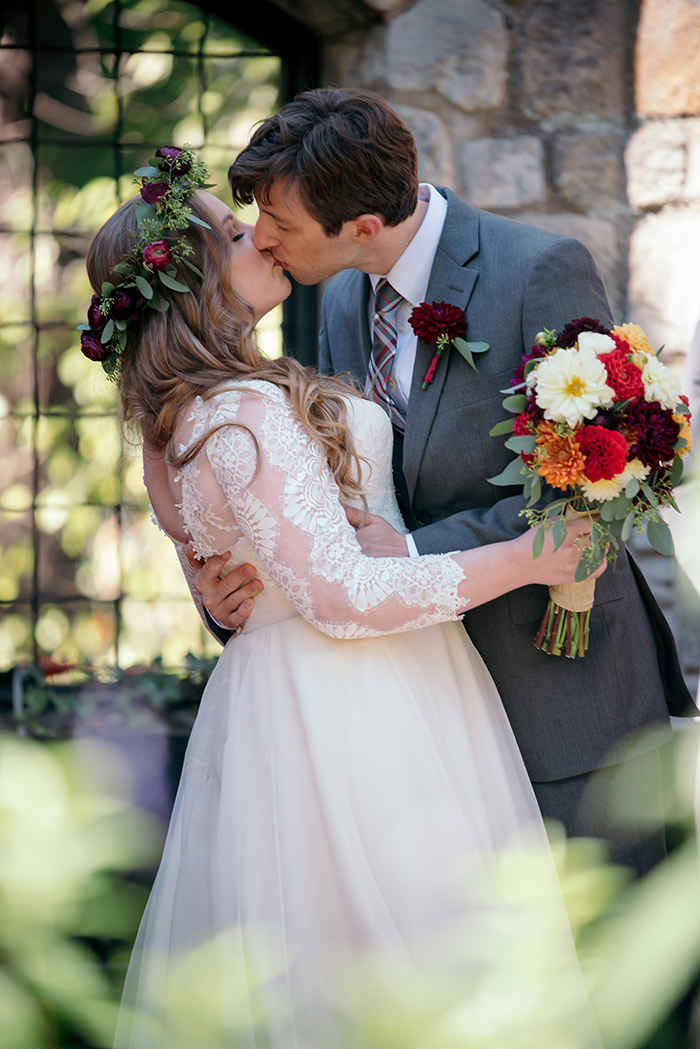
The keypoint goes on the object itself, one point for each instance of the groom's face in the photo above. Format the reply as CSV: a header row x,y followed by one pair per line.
x,y
298,242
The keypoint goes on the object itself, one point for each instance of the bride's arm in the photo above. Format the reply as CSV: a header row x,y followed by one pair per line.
x,y
282,495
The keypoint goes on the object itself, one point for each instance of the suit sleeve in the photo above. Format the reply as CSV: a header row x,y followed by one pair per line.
x,y
563,283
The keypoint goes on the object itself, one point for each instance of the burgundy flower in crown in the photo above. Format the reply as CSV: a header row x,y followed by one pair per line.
x,y
153,192
172,159
440,324
92,346
158,255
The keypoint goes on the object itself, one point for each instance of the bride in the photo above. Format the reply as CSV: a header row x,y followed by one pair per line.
x,y
351,779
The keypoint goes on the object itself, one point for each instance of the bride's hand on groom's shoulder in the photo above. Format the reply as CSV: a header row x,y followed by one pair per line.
x,y
375,535
229,599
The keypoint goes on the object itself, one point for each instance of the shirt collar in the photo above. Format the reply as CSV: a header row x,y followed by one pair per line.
x,y
411,272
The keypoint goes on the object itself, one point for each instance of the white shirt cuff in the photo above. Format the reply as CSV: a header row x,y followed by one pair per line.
x,y
411,544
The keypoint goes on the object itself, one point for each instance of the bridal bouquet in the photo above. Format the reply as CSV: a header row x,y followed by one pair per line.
x,y
600,429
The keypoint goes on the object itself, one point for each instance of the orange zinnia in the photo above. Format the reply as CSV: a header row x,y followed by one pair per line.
x,y
560,460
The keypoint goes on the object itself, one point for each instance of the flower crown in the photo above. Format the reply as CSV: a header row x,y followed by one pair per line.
x,y
170,177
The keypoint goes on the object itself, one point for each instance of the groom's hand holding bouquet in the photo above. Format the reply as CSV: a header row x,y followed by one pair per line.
x,y
600,429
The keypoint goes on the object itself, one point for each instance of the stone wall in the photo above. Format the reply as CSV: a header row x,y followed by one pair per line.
x,y
582,116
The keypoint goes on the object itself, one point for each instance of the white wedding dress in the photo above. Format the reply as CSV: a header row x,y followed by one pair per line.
x,y
350,779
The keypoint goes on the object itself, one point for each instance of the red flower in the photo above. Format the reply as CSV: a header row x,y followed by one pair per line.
x,y
430,322
523,426
623,375
605,452
91,346
171,159
152,192
158,255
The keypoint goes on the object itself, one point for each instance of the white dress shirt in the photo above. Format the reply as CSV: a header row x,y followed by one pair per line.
x,y
409,276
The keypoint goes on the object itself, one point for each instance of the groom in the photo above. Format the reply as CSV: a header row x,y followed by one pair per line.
x,y
334,176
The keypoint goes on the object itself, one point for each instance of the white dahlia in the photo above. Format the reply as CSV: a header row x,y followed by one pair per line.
x,y
660,383
596,341
571,386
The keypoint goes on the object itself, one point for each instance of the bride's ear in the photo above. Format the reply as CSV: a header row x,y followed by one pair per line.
x,y
366,228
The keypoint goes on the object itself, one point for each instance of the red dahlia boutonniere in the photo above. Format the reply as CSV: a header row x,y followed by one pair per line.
x,y
440,324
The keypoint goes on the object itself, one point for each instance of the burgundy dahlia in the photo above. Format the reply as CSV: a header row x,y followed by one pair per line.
x,y
571,331
174,160
158,255
656,433
153,192
429,322
91,346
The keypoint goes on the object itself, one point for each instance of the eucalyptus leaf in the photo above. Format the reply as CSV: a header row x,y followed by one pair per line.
x,y
538,542
144,287
107,288
143,212
107,333
627,527
473,347
157,302
622,506
122,268
516,403
676,471
198,221
632,488
536,492
681,409
120,324
659,535
529,365
512,475
195,269
607,510
522,443
649,493
170,282
464,351
147,172
83,327
505,426
559,532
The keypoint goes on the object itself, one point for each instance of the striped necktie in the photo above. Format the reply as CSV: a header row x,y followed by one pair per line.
x,y
379,380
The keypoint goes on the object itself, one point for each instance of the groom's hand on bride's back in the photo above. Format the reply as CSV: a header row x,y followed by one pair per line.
x,y
228,600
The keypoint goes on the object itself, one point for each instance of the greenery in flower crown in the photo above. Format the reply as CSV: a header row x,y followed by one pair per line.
x,y
166,182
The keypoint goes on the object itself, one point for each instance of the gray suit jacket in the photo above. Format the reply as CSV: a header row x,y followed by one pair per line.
x,y
513,280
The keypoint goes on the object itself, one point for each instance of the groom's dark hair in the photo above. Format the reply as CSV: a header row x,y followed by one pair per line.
x,y
345,151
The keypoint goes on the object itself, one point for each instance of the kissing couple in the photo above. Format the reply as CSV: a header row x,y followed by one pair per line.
x,y
361,758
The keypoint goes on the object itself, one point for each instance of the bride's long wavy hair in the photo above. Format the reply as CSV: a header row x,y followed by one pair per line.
x,y
204,342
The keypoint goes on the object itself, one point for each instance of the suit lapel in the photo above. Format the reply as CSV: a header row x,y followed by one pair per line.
x,y
450,281
358,343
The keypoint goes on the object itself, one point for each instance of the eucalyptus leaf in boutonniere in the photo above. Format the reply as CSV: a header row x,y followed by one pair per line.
x,y
440,324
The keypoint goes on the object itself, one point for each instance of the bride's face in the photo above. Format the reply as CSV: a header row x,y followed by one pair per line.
x,y
255,275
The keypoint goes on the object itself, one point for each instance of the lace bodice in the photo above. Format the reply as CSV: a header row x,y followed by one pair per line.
x,y
261,488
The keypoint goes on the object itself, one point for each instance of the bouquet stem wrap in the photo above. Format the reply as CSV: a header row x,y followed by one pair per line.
x,y
565,626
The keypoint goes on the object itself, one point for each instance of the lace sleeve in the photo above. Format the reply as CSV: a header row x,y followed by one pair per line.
x,y
276,484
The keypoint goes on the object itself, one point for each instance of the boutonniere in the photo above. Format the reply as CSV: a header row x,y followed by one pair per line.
x,y
440,324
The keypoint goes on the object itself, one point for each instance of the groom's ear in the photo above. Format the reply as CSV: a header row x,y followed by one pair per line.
x,y
366,228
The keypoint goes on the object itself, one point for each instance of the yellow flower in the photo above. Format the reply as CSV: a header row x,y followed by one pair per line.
x,y
635,337
682,421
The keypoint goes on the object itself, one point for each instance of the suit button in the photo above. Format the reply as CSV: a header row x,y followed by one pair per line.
x,y
391,384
